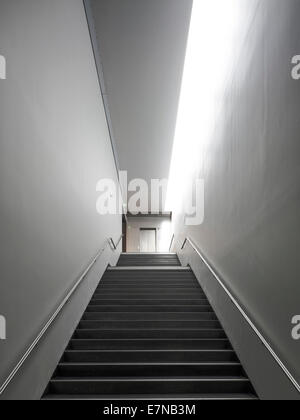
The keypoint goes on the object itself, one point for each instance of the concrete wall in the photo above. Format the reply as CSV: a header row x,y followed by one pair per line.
x,y
54,146
161,224
250,164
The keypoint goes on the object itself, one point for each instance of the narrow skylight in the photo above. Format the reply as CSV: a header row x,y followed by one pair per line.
x,y
209,57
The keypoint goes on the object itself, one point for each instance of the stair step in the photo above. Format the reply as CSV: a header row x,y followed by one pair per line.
x,y
143,278
149,316
147,385
148,324
148,284
150,344
153,289
161,295
148,302
153,397
129,356
150,308
148,263
143,258
148,274
178,370
155,275
149,333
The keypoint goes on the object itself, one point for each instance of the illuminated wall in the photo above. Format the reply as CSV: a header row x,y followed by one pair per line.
x,y
238,129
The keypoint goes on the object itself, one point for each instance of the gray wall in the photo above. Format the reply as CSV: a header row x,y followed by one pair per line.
x,y
54,146
142,44
251,232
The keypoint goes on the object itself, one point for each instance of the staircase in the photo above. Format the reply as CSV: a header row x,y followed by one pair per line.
x,y
149,332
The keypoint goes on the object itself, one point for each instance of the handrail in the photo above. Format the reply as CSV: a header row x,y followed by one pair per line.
x,y
172,240
115,246
244,314
53,318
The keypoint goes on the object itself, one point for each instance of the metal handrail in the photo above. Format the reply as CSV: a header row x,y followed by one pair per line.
x,y
172,240
244,314
115,246
53,317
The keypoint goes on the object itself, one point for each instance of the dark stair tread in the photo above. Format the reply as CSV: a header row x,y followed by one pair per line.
x,y
150,333
153,355
149,301
155,379
135,344
178,370
171,325
149,308
162,365
158,397
149,316
148,370
149,385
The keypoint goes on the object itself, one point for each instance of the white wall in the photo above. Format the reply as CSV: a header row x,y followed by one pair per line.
x,y
250,164
161,224
54,146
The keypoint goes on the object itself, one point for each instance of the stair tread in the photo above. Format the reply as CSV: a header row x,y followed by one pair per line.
x,y
153,379
151,339
155,329
153,351
195,364
157,397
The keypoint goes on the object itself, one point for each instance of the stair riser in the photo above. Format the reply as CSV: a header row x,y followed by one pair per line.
x,y
147,284
148,324
159,371
148,302
148,334
148,316
149,264
138,258
137,290
150,387
163,273
152,397
149,356
151,296
140,276
149,345
149,308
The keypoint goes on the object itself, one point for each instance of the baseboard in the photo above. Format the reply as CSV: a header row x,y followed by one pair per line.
x,y
33,378
268,378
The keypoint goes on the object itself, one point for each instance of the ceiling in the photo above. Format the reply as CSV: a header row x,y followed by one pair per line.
x,y
142,45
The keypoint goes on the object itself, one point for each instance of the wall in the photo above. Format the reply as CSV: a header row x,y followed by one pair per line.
x,y
54,147
142,45
161,224
250,164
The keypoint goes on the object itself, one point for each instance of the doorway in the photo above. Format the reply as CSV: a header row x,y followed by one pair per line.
x,y
148,240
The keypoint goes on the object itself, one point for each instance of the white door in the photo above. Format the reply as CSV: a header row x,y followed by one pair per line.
x,y
147,240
